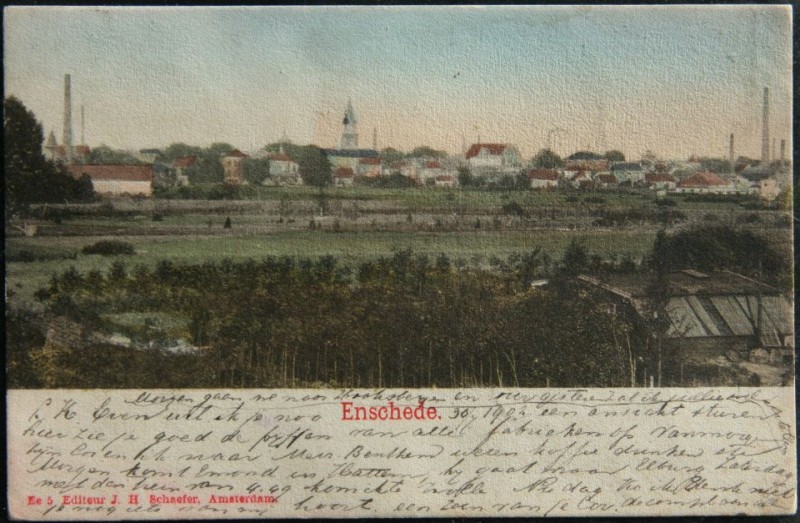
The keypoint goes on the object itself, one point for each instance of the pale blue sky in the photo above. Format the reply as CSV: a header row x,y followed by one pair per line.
x,y
676,80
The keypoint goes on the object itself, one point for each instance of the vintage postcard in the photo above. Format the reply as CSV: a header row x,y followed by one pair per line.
x,y
348,262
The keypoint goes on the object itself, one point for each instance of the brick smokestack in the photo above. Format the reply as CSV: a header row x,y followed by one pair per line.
x,y
783,151
67,136
765,128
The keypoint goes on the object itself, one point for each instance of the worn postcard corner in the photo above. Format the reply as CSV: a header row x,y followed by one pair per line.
x,y
349,262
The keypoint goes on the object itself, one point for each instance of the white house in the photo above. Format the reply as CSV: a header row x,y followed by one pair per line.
x,y
494,157
660,181
628,172
117,180
343,177
543,178
705,183
430,170
281,164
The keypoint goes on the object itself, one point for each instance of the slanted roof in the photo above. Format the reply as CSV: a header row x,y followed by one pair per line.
x,y
343,172
369,161
708,305
51,141
608,179
543,174
433,164
280,157
186,161
492,148
236,153
121,173
703,179
626,166
444,178
659,178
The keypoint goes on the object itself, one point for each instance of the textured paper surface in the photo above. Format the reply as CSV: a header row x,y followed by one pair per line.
x,y
285,453
454,274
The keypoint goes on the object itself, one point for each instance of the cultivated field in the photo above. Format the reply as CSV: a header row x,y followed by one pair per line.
x,y
473,228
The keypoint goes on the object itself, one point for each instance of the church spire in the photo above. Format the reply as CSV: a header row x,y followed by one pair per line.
x,y
349,130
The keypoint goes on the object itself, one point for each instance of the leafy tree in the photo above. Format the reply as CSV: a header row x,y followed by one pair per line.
x,y
743,162
465,178
180,150
614,156
547,159
104,154
716,165
390,155
576,257
29,177
723,247
314,166
219,149
255,170
423,151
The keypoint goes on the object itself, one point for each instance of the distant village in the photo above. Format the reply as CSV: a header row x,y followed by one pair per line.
x,y
481,164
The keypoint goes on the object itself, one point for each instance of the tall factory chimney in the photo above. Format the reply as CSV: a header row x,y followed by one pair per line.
x,y
731,158
783,151
67,136
772,155
765,128
83,128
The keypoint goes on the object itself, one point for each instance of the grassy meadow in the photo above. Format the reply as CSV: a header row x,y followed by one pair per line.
x,y
470,227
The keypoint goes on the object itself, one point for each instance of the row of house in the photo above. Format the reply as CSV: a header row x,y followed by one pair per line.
x,y
703,182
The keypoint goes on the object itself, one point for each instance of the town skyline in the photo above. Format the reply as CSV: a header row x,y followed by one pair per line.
x,y
680,81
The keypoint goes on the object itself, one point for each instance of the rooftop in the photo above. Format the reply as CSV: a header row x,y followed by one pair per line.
x,y
127,173
492,148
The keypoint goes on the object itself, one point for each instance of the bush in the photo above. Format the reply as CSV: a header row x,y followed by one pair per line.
x,y
666,202
514,209
109,248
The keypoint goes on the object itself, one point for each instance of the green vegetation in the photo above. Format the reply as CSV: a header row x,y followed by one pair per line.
x,y
411,320
29,177
109,248
547,159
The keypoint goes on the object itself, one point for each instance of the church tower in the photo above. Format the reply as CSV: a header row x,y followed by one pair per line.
x,y
349,130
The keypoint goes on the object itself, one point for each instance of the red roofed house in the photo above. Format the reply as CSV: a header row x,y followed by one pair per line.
x,y
404,167
705,182
605,181
232,165
660,181
543,178
180,166
116,180
343,176
369,167
497,157
283,170
445,180
431,170
579,179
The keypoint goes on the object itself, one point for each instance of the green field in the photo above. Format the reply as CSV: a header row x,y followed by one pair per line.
x,y
55,254
274,221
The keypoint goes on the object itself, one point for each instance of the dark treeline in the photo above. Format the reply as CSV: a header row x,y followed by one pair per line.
x,y
409,321
405,320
